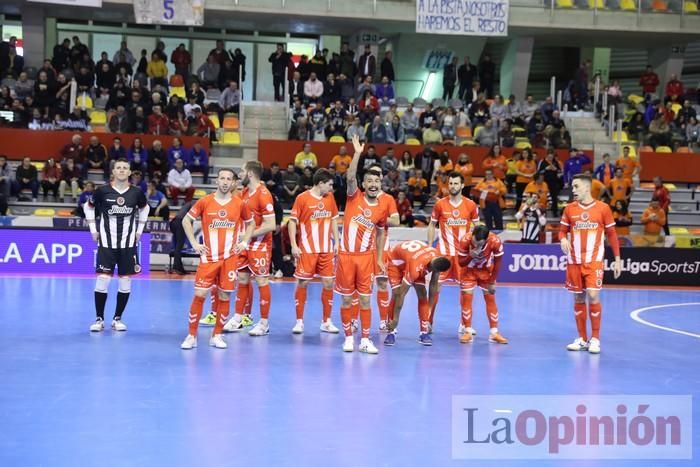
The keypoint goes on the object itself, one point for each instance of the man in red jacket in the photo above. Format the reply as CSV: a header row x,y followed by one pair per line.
x,y
182,60
649,81
662,194
674,90
158,123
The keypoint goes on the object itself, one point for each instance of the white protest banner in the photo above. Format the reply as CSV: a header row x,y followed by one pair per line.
x,y
462,17
182,12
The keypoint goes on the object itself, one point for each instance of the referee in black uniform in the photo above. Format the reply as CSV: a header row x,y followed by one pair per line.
x,y
121,210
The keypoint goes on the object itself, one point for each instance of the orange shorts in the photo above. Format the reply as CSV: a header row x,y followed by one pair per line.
x,y
220,273
310,264
472,277
355,273
453,273
395,274
580,277
256,261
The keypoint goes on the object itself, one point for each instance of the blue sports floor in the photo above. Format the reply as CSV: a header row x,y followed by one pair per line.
x,y
71,398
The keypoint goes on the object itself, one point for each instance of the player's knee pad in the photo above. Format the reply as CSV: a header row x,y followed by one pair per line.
x,y
102,283
125,284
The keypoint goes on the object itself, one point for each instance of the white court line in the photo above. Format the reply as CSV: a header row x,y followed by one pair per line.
x,y
635,316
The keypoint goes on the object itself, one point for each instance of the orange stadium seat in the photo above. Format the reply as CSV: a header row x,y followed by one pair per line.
x,y
231,123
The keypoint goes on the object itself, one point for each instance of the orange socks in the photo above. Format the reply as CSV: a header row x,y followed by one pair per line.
x,y
265,298
465,301
580,315
383,302
366,320
195,314
327,301
355,307
491,309
249,301
594,309
222,310
242,297
300,301
346,316
423,312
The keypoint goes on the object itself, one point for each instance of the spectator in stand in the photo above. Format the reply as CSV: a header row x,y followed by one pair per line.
x,y
487,75
425,161
491,192
44,92
367,160
449,79
488,135
637,128
386,68
526,170
317,119
138,181
157,71
659,132
341,161
307,178
574,165
331,90
649,81
553,173
50,178
5,179
182,60
175,152
39,121
385,92
296,88
355,128
198,161
228,73
124,55
418,188
174,106
336,120
303,68
142,67
369,107
203,127
305,158
376,132
472,95
273,179
119,122
406,165
443,167
367,85
290,184
27,178
540,189
389,161
630,167
394,131
392,183
158,122
465,168
230,100
479,111
529,108
498,110
620,188
15,64
405,209
219,54
73,150
367,63
280,61
346,61
85,196
61,55
448,124
410,123
71,177
432,134
116,151
512,170
77,121
157,160
674,90
427,117
208,73
351,108
692,133
319,65
622,217
138,156
180,181
313,90
653,219
662,194
157,202
605,171
466,73
96,158
195,92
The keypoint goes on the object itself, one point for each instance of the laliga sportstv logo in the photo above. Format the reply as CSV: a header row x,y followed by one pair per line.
x,y
572,427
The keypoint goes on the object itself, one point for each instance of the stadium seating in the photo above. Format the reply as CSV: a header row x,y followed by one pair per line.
x,y
337,139
231,138
231,123
665,149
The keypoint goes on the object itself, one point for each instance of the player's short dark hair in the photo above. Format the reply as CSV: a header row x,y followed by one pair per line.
x,y
480,232
122,159
440,264
455,174
255,167
583,177
371,171
227,169
322,176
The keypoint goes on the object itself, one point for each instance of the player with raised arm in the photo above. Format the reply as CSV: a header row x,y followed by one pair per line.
x,y
585,223
257,257
122,210
480,254
366,215
455,216
413,263
314,220
222,214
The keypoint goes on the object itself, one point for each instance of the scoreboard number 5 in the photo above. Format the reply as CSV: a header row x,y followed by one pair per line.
x,y
169,11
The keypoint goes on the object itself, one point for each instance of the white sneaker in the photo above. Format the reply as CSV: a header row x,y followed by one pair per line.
x,y
233,325
329,327
279,274
462,329
298,328
260,329
189,343
383,326
218,342
578,344
98,325
594,345
367,346
118,325
349,344
430,328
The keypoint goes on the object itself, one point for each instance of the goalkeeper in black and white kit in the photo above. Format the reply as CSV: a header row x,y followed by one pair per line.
x,y
121,211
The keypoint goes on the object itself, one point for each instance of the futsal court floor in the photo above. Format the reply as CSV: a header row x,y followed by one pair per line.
x,y
72,398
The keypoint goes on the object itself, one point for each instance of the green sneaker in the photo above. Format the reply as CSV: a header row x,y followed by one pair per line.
x,y
246,321
209,320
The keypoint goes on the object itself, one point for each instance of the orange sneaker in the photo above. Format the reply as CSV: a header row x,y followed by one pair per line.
x,y
466,338
497,338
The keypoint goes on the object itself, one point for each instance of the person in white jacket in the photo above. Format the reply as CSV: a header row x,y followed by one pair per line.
x,y
180,181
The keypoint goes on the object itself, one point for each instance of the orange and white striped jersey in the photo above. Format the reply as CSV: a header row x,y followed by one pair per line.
x,y
260,203
362,219
483,258
454,222
314,217
412,257
585,226
220,224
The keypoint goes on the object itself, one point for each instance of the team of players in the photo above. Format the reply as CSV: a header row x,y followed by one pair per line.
x,y
237,245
